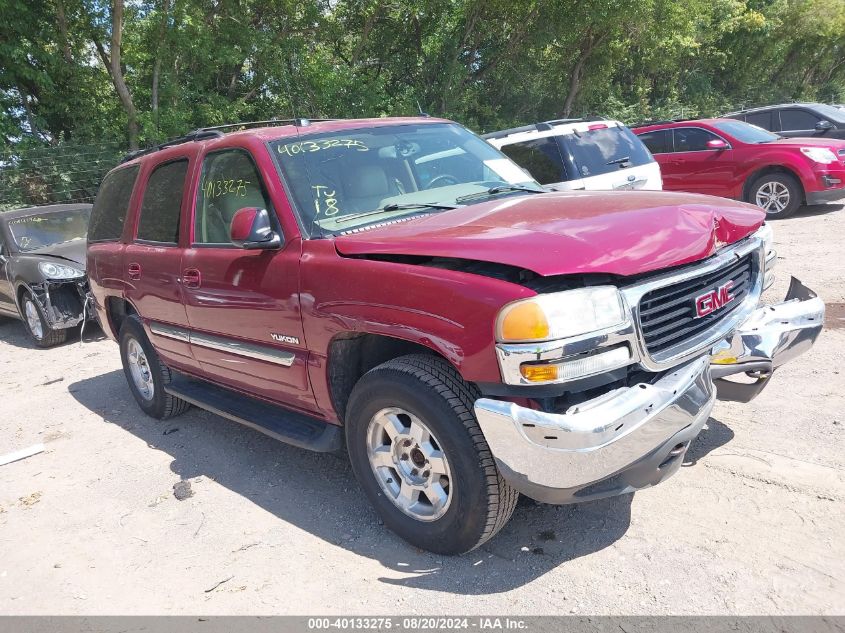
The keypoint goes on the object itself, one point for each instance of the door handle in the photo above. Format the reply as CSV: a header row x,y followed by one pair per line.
x,y
134,271
191,278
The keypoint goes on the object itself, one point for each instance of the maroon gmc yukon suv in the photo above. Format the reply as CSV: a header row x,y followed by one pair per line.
x,y
400,287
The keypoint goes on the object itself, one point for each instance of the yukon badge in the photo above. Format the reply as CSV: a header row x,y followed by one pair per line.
x,y
713,300
284,338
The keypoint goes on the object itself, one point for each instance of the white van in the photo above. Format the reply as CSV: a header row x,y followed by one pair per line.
x,y
580,154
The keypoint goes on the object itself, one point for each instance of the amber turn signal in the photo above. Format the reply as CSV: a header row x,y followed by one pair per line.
x,y
524,322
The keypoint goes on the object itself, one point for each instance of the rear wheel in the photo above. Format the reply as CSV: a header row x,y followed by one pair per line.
x,y
36,323
778,194
146,374
416,448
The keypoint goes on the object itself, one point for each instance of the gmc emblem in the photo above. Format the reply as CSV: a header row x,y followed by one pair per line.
x,y
712,300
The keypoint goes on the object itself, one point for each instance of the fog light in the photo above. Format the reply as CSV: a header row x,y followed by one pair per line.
x,y
577,367
830,181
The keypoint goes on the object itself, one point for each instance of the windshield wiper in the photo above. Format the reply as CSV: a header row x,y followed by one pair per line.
x,y
498,189
394,206
619,161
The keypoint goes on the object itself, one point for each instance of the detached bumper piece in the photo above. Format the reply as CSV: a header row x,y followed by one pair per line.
x,y
771,336
625,440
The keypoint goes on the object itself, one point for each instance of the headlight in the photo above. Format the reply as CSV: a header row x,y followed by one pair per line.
x,y
560,315
819,154
59,271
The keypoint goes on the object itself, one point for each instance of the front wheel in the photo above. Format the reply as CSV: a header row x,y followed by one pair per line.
x,y
418,452
778,194
36,324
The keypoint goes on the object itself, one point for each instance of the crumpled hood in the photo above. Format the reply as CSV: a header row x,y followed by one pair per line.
x,y
72,252
621,233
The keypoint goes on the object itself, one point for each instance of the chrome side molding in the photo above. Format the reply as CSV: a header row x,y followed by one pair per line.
x,y
249,350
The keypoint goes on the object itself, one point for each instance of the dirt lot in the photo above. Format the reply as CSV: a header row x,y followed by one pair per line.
x,y
752,524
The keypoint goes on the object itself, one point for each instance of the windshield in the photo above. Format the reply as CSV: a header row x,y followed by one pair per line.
x,y
830,112
746,132
40,230
606,149
344,181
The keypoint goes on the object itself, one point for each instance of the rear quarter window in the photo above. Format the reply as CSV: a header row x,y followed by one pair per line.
x,y
541,157
162,206
111,205
605,150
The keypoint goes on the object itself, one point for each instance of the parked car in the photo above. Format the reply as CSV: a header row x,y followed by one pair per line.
x,y
729,158
401,286
42,269
817,120
580,154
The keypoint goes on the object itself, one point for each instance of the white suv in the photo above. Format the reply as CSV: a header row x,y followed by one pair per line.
x,y
580,154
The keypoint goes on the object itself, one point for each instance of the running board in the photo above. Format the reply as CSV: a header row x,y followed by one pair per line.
x,y
277,422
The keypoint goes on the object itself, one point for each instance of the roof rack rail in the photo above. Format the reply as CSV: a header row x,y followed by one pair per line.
x,y
196,135
216,131
542,126
298,122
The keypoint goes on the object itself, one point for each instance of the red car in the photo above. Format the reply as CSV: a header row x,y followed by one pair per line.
x,y
733,159
401,287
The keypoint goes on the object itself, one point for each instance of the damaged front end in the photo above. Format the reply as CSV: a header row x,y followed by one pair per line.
x,y
63,303
633,432
771,336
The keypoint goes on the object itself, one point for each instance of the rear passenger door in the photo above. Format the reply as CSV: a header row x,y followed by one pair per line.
x,y
243,305
152,263
659,143
797,122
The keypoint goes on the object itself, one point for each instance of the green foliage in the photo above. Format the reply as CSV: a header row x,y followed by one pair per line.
x,y
485,63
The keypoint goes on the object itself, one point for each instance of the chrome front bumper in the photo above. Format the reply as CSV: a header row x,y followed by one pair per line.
x,y
771,336
635,437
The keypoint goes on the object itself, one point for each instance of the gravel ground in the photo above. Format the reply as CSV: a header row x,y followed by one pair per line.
x,y
752,524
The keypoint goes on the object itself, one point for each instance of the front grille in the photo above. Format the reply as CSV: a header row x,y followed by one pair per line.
x,y
667,315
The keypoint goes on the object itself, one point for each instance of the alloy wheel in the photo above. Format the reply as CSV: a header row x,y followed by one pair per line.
x,y
409,464
33,319
773,197
139,368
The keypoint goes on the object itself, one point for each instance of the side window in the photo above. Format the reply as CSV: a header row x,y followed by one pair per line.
x,y
658,142
760,119
162,203
230,181
797,120
692,139
541,157
112,205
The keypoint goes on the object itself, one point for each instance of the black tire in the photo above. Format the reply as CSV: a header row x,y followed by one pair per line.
x,y
49,337
161,405
778,179
428,387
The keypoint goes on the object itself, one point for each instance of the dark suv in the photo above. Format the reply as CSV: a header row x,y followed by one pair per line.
x,y
796,119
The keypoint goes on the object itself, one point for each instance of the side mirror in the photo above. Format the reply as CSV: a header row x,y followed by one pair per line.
x,y
824,126
251,229
717,143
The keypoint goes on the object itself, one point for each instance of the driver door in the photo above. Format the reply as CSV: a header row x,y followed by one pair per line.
x,y
243,305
